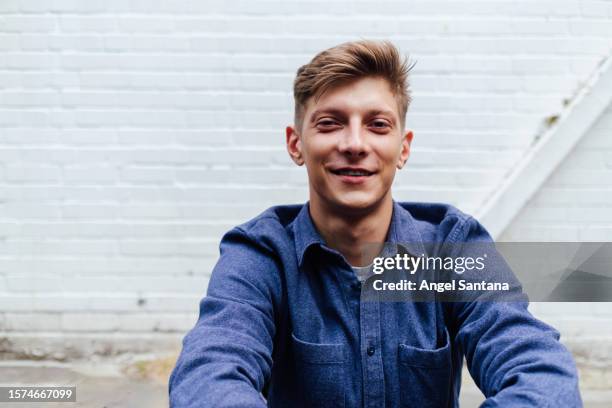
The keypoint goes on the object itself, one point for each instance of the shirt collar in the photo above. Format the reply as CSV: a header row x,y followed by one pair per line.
x,y
403,230
306,234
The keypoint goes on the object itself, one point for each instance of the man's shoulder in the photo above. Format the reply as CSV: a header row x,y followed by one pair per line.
x,y
279,216
271,226
438,221
434,213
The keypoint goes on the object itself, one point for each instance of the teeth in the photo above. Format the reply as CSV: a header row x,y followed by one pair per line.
x,y
353,173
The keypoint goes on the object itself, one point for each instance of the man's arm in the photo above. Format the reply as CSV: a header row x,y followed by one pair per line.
x,y
227,357
515,359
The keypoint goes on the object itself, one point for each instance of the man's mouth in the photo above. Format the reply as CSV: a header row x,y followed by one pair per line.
x,y
352,172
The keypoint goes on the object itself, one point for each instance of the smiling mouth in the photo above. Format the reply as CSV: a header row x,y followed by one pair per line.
x,y
352,172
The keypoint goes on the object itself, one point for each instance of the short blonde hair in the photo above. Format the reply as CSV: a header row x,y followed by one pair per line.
x,y
348,62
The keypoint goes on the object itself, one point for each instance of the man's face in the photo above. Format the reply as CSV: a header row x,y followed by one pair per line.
x,y
351,141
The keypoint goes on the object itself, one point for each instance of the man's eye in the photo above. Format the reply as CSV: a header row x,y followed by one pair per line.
x,y
379,124
327,123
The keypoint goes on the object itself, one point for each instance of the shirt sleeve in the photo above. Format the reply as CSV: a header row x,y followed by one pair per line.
x,y
514,358
227,357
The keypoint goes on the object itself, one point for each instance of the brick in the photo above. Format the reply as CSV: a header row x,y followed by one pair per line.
x,y
29,99
27,24
10,42
92,174
32,322
25,136
33,283
96,322
87,24
32,173
168,248
145,175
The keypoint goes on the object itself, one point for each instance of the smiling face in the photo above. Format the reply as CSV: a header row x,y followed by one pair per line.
x,y
352,142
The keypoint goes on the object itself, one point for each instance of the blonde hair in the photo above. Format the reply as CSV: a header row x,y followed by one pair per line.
x,y
348,62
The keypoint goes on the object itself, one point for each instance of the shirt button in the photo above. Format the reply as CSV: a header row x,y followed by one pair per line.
x,y
371,350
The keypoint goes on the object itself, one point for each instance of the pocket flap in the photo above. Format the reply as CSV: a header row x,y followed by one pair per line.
x,y
425,358
318,353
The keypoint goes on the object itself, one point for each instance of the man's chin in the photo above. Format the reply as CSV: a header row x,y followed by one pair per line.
x,y
357,203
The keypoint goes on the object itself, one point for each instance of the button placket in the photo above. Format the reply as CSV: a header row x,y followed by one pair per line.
x,y
372,365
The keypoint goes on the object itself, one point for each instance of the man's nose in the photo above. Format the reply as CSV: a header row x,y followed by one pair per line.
x,y
353,142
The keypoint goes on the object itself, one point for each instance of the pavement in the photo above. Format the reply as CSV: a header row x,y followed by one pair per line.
x,y
110,385
97,386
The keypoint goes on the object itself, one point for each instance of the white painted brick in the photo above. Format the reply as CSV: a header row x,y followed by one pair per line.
x,y
34,42
146,24
168,248
32,173
601,309
182,285
153,266
85,211
32,322
600,233
138,322
89,322
9,42
28,303
146,175
579,326
9,78
14,118
10,6
69,229
172,303
87,24
590,27
134,134
540,65
62,247
33,283
115,302
179,323
584,66
88,137
31,79
26,24
93,174
76,6
25,136
21,210
158,322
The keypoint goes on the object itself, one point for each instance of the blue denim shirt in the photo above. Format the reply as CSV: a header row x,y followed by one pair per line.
x,y
283,325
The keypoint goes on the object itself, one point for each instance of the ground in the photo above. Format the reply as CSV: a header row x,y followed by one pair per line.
x,y
142,382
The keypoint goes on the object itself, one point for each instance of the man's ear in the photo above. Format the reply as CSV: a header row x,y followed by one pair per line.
x,y
405,149
294,145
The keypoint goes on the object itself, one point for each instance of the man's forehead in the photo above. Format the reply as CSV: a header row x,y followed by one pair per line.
x,y
365,94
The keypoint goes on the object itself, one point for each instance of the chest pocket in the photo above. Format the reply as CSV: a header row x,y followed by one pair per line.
x,y
321,371
425,375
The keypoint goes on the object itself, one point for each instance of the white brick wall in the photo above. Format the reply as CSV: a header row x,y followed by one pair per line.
x,y
575,204
133,134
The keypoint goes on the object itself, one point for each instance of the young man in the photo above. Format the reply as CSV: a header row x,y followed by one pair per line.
x,y
284,322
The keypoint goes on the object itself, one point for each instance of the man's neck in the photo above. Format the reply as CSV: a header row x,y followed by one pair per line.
x,y
359,236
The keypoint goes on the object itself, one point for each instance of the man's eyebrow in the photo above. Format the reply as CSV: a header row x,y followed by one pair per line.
x,y
375,112
331,111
